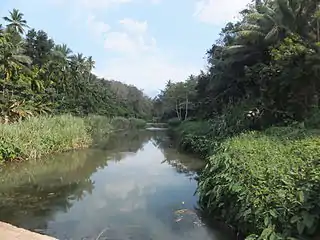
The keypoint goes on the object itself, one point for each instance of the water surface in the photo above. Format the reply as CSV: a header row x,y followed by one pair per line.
x,y
134,186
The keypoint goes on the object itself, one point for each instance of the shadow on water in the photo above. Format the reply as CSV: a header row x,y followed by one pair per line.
x,y
132,185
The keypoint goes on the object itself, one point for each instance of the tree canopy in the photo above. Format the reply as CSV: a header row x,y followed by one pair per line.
x,y
269,60
38,76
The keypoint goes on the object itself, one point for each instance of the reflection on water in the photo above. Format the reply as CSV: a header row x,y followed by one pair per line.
x,y
133,187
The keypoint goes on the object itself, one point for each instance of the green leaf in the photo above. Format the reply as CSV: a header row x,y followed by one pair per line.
x,y
301,196
308,219
266,221
300,227
294,219
273,213
266,233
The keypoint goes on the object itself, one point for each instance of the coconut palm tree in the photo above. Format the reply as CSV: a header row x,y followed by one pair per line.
x,y
90,63
62,50
277,19
12,58
268,23
16,21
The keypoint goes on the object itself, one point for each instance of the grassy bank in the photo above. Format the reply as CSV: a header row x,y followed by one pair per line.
x,y
266,184
40,136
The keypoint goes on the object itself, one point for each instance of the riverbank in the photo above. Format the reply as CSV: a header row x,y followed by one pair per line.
x,y
39,136
266,184
8,231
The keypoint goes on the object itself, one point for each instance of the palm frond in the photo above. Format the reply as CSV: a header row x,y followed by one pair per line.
x,y
22,59
272,34
250,33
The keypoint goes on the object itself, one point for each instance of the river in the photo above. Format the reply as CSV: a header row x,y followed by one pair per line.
x,y
130,186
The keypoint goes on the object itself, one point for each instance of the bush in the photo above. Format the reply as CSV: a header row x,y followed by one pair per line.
x,y
233,120
267,184
314,120
136,123
98,126
204,137
192,136
174,122
120,123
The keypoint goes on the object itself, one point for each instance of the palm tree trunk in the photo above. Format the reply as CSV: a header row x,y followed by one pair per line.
x,y
177,111
187,103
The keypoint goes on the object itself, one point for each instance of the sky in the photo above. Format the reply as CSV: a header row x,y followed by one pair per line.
x,y
139,42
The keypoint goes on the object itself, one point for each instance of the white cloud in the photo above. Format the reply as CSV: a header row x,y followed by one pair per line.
x,y
134,26
96,4
148,72
218,12
135,55
120,42
96,26
141,62
133,39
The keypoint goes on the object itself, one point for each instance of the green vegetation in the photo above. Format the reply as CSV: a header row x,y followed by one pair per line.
x,y
38,76
40,79
125,123
254,114
266,183
39,136
267,64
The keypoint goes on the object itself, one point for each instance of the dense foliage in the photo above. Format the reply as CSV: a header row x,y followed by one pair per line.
x,y
263,71
267,184
269,59
39,76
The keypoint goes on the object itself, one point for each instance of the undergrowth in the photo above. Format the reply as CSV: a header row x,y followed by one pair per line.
x,y
266,183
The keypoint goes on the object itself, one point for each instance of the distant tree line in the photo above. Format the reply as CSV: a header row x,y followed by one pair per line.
x,y
38,76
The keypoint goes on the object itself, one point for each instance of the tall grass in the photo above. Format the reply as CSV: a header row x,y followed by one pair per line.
x,y
40,136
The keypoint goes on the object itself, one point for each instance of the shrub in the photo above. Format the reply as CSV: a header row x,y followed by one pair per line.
x,y
174,122
8,151
267,184
120,123
191,136
98,126
314,120
136,123
203,137
233,120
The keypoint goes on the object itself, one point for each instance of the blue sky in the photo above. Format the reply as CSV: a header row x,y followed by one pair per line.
x,y
140,42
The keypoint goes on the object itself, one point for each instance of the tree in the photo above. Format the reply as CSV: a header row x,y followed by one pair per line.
x,y
12,57
16,22
38,47
44,77
268,60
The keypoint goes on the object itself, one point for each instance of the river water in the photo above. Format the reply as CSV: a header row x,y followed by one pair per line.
x,y
130,186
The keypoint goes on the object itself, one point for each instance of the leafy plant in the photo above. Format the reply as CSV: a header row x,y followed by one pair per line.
x,y
266,184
